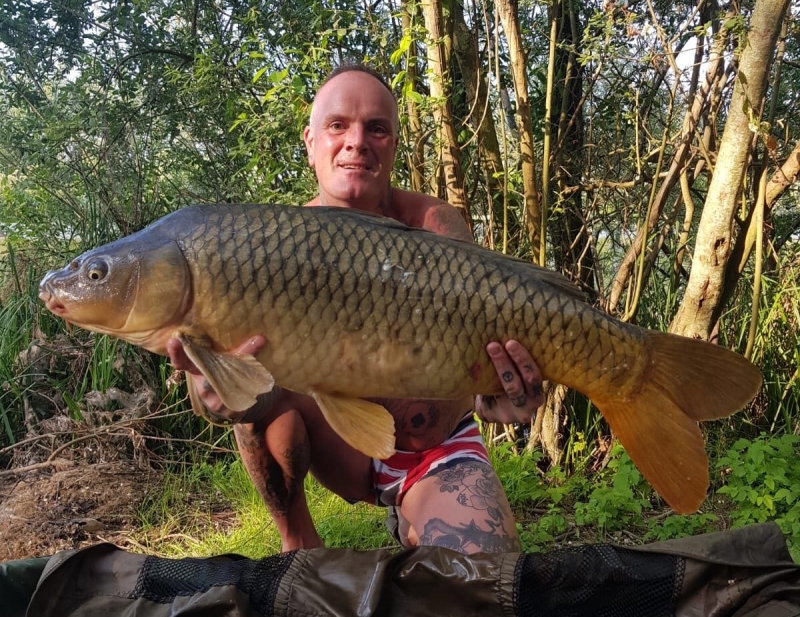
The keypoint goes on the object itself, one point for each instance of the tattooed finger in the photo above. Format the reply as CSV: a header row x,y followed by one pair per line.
x,y
520,401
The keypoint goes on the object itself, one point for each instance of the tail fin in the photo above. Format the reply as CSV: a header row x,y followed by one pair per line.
x,y
688,381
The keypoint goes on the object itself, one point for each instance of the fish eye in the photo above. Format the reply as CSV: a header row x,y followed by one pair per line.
x,y
97,270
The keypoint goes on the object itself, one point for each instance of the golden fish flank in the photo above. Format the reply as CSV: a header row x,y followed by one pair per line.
x,y
356,306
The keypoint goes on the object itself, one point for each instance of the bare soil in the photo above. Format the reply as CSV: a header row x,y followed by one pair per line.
x,y
69,506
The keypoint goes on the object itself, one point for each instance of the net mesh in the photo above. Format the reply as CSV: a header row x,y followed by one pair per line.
x,y
598,581
162,580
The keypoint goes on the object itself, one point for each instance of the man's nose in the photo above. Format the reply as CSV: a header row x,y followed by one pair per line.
x,y
356,136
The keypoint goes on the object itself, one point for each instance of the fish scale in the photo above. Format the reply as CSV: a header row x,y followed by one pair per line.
x,y
356,306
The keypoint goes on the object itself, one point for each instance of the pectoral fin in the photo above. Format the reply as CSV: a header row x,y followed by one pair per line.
x,y
237,378
366,426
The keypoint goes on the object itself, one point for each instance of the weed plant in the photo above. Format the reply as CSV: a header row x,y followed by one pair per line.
x,y
618,500
762,483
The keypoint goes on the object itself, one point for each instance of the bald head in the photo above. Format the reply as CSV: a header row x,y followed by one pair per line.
x,y
352,140
370,87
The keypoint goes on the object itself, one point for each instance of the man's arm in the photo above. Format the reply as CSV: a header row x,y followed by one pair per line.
x,y
446,220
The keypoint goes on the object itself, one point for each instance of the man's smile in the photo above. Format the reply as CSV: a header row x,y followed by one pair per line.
x,y
356,166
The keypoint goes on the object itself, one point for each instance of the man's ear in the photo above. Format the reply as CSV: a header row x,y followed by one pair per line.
x,y
308,140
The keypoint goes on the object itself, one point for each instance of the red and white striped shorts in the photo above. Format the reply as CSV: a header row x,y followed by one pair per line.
x,y
394,476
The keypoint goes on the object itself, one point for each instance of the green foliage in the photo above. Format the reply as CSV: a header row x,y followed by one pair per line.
x,y
13,341
521,478
762,482
186,501
618,504
543,534
776,349
186,492
680,526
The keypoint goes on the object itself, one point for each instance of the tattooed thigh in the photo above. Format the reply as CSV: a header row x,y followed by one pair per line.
x,y
463,508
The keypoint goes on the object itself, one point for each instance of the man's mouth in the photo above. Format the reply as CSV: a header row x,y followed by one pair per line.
x,y
355,166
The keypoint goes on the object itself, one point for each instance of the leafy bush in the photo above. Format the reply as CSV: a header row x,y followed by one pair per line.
x,y
543,535
762,481
617,505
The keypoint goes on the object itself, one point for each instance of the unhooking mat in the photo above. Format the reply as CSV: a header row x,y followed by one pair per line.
x,y
746,572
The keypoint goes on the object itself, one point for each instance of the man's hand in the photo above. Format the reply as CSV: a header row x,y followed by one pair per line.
x,y
522,382
181,362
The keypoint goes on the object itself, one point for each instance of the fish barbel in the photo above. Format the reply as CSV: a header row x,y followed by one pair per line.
x,y
355,305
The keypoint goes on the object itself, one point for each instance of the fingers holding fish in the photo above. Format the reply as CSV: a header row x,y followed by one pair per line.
x,y
177,356
521,380
180,361
529,372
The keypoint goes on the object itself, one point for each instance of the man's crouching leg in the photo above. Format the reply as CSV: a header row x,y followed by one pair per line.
x,y
277,455
462,507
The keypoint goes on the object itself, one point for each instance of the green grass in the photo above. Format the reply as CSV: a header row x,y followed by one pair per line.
x,y
212,509
181,516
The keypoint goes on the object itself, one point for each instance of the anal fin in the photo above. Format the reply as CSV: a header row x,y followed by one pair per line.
x,y
366,426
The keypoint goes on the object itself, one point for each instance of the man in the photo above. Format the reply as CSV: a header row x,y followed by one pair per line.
x,y
439,487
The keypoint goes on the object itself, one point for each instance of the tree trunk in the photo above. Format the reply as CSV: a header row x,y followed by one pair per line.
x,y
465,50
784,177
415,136
571,237
545,427
516,51
440,89
714,76
779,182
701,306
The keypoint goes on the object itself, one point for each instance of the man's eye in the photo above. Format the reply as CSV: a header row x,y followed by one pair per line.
x,y
336,126
380,130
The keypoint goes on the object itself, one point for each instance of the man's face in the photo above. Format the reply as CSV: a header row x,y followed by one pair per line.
x,y
352,140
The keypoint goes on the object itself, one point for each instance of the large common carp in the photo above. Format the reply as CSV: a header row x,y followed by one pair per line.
x,y
355,305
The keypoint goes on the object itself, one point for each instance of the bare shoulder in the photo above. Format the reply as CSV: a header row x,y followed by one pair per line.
x,y
428,212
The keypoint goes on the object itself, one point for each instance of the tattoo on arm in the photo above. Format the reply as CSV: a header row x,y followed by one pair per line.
x,y
447,220
276,481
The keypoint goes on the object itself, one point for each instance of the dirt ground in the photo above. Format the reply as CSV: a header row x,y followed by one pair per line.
x,y
70,506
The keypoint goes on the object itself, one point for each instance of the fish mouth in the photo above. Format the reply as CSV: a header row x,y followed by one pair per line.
x,y
52,303
50,298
